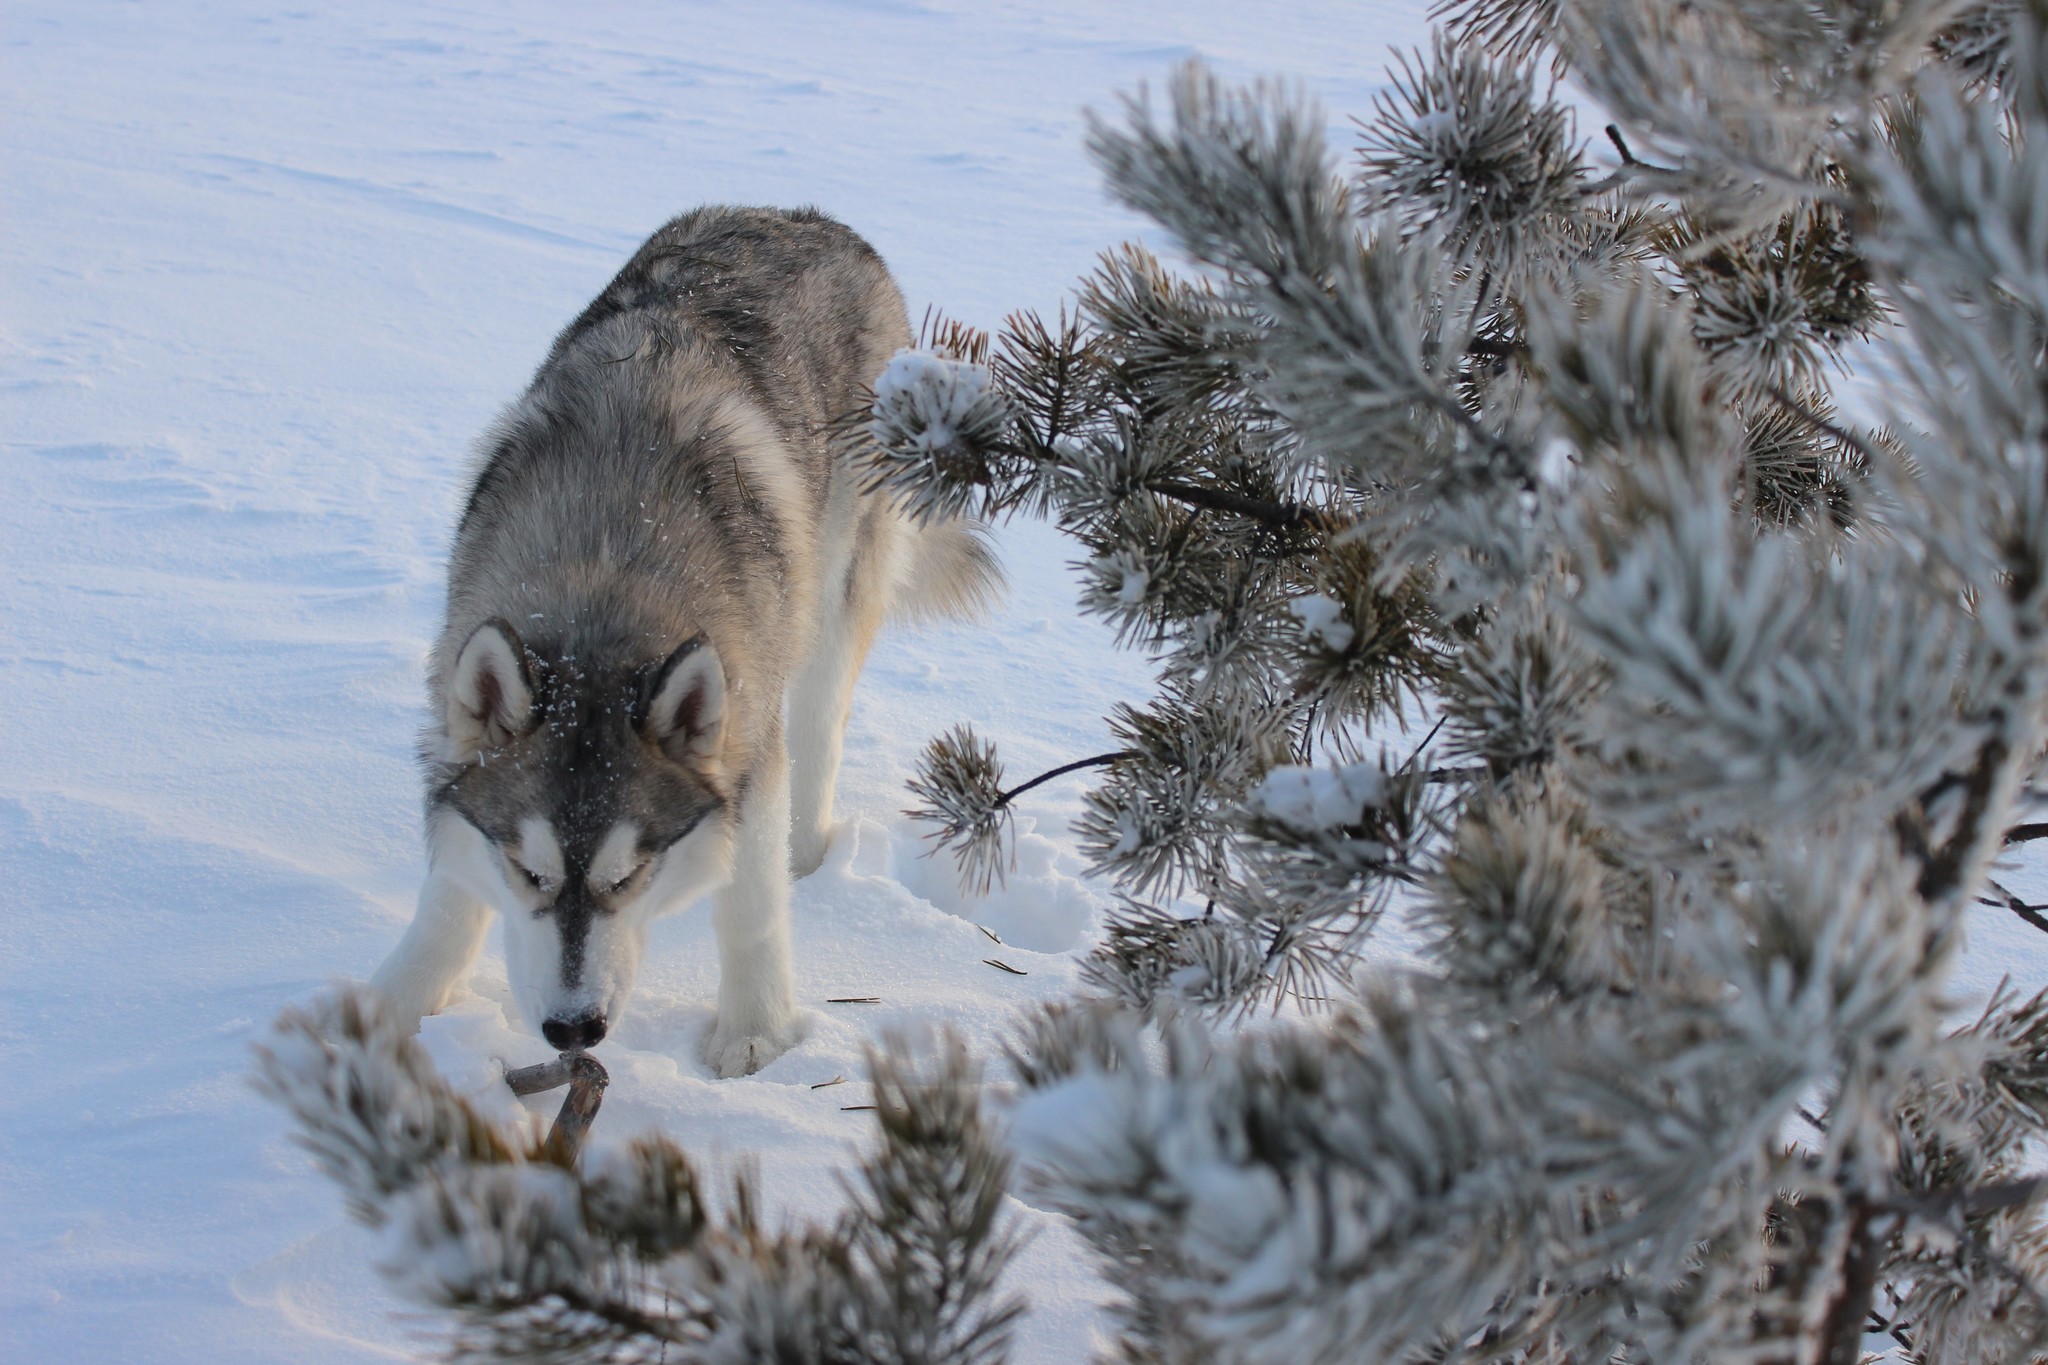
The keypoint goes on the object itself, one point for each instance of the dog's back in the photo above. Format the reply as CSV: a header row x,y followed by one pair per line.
x,y
791,303
671,468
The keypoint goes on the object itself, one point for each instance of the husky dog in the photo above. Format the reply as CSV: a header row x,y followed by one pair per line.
x,y
663,544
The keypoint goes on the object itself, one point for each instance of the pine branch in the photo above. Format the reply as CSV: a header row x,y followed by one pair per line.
x,y
1553,457
532,1259
960,783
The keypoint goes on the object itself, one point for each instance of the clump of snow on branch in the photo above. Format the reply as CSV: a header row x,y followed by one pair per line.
x,y
1322,620
1309,800
932,422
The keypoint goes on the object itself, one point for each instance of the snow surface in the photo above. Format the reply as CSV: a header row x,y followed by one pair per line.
x,y
264,272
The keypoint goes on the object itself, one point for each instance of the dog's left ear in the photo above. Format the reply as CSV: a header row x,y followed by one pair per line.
x,y
685,708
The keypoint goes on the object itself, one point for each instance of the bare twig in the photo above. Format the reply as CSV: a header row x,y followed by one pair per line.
x,y
532,1080
586,1078
2003,898
1629,158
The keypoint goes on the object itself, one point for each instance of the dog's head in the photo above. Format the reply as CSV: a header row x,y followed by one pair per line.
x,y
586,802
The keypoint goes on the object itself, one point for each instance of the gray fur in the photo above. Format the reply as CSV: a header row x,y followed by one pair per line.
x,y
670,476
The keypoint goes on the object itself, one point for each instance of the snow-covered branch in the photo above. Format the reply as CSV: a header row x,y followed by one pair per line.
x,y
624,1258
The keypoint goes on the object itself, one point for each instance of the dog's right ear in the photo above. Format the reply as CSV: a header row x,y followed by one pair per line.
x,y
490,696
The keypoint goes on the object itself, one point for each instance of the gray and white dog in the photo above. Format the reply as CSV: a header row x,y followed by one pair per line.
x,y
664,543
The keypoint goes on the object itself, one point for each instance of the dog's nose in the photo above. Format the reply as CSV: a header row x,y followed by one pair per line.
x,y
573,1035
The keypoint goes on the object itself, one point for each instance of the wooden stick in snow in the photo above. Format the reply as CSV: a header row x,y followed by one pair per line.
x,y
586,1078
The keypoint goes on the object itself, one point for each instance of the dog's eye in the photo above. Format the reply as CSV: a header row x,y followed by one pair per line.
x,y
533,879
620,885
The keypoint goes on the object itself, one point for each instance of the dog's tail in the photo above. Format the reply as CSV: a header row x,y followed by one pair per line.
x,y
948,572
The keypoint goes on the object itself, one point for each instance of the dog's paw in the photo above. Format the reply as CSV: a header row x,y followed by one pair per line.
x,y
740,1056
808,847
731,1053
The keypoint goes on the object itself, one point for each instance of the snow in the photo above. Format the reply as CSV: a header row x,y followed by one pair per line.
x,y
264,273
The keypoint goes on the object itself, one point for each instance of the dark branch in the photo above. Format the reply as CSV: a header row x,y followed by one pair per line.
x,y
1980,1199
1941,869
1629,158
1283,514
1841,1331
1433,730
1893,1328
1097,761
2001,897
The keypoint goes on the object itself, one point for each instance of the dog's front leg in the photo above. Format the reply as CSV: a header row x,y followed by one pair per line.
x,y
446,933
756,999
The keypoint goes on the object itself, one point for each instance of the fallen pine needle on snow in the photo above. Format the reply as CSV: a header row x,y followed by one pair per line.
x,y
836,1080
1004,967
990,932
854,1108
854,1000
